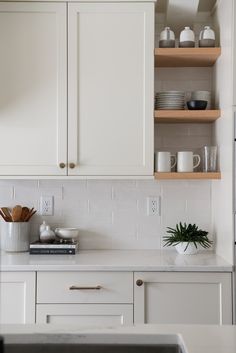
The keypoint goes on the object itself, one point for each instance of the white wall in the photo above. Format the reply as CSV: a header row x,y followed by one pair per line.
x,y
222,191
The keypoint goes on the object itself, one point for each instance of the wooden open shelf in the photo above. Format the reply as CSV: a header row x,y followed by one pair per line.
x,y
186,116
178,176
186,57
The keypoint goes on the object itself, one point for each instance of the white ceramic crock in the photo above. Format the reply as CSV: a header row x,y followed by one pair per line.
x,y
15,236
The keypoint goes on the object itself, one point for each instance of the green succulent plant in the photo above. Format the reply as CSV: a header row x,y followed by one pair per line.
x,y
187,233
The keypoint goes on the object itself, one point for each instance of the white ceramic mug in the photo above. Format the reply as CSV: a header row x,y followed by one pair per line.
x,y
164,161
186,161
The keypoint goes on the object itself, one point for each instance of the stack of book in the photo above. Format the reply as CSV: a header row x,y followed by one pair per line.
x,y
54,248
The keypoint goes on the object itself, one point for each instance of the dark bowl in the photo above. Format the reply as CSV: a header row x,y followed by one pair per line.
x,y
197,105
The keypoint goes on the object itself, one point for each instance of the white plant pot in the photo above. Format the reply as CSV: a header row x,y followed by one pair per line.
x,y
191,249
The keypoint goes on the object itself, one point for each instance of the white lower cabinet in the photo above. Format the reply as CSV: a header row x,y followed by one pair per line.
x,y
105,298
182,298
17,297
85,298
85,314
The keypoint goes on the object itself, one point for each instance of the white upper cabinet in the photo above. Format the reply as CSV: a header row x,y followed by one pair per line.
x,y
110,88
33,88
107,127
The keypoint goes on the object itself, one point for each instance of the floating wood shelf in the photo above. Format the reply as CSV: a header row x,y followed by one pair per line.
x,y
178,176
186,116
186,57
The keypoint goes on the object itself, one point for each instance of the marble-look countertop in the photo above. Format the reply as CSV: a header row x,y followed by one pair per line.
x,y
194,338
115,260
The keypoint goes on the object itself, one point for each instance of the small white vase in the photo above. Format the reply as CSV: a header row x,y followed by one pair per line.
x,y
191,249
47,235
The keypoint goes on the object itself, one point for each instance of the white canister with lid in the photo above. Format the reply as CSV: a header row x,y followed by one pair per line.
x,y
187,38
167,38
207,37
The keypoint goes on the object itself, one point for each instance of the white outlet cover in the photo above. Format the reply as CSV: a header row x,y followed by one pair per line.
x,y
153,206
46,205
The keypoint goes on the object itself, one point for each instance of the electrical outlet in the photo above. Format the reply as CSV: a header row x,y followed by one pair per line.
x,y
153,206
46,205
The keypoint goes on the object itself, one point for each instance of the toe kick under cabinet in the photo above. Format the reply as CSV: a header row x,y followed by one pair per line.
x,y
85,298
76,88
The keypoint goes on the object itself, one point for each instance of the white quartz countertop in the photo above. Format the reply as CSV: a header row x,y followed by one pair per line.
x,y
195,338
115,260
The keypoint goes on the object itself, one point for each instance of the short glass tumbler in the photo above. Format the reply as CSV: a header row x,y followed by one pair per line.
x,y
209,158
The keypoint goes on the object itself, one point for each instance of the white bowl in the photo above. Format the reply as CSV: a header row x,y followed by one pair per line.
x,y
67,233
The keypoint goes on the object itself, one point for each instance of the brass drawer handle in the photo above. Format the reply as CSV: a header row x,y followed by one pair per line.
x,y
139,282
85,288
62,165
72,165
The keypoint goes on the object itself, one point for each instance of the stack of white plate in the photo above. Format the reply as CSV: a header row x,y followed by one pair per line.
x,y
170,100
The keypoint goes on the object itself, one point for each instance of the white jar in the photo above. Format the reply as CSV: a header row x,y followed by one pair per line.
x,y
207,37
187,38
167,38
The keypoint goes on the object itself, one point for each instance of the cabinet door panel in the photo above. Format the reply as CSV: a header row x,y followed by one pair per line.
x,y
110,101
33,102
86,315
183,298
17,297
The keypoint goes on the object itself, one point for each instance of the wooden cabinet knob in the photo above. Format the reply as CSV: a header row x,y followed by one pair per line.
x,y
62,165
139,282
72,165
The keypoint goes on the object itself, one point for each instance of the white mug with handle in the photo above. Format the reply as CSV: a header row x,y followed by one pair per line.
x,y
164,161
187,161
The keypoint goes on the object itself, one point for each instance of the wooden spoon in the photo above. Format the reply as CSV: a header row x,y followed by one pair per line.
x,y
24,213
7,214
30,214
6,219
16,213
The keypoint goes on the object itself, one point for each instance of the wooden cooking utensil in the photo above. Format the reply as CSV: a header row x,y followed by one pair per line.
x,y
30,214
7,214
16,213
24,213
6,219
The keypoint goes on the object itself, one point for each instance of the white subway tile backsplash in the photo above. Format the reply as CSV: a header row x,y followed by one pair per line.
x,y
113,214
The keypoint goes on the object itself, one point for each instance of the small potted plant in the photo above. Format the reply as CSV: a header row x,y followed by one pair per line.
x,y
187,239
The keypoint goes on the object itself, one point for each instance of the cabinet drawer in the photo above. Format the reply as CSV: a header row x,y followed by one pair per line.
x,y
85,314
85,287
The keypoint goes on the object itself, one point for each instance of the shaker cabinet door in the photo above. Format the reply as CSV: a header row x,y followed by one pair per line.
x,y
110,88
182,298
33,88
17,298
